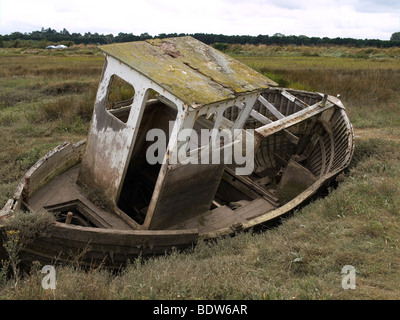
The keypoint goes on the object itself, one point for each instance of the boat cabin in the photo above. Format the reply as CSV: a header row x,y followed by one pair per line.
x,y
174,84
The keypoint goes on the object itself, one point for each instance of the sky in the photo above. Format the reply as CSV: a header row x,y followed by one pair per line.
x,y
359,19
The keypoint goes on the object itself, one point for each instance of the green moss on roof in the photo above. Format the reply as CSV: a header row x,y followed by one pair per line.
x,y
195,73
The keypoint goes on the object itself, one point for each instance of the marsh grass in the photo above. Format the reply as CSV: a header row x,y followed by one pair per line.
x,y
356,224
370,53
45,100
20,230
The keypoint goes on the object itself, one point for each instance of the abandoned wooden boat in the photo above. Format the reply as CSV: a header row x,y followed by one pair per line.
x,y
114,203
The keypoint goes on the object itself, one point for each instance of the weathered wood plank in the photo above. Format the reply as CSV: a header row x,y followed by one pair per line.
x,y
271,107
294,181
294,99
293,119
264,120
253,186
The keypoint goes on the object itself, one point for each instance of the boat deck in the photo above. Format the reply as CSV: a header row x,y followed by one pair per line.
x,y
62,194
224,217
64,190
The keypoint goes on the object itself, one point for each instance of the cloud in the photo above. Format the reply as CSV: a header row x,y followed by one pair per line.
x,y
320,18
374,6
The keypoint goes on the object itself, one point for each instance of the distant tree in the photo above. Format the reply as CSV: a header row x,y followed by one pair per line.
x,y
16,35
109,38
221,46
67,43
65,32
50,30
16,44
43,43
395,36
145,36
17,39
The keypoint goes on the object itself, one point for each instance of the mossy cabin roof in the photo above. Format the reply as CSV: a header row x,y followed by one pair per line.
x,y
192,71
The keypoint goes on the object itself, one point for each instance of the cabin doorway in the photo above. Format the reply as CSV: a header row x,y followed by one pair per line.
x,y
141,176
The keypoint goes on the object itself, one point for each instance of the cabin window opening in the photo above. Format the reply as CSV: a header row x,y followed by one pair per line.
x,y
120,98
232,113
201,128
207,139
141,176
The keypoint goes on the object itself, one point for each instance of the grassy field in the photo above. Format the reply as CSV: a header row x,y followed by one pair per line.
x,y
47,98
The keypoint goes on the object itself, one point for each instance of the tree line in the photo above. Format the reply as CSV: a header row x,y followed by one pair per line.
x,y
46,36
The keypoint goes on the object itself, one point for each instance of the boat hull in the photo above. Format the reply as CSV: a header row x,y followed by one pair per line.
x,y
321,145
